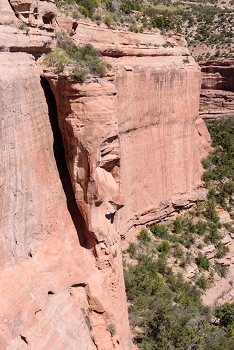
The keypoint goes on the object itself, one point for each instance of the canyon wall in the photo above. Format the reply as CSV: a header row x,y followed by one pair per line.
x,y
217,94
82,166
60,288
161,137
54,294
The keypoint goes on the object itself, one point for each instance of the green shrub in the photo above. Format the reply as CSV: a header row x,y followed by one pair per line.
x,y
210,212
225,313
162,267
111,328
89,5
144,236
213,236
178,226
202,262
97,67
222,250
202,282
159,230
84,11
201,227
178,251
108,21
79,74
57,59
164,248
87,52
127,6
86,58
222,270
191,227
133,28
132,250
23,26
65,43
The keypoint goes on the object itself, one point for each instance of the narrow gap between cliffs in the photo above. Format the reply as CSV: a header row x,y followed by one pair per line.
x,y
85,238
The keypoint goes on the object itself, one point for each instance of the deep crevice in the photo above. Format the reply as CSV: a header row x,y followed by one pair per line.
x,y
23,338
85,237
50,292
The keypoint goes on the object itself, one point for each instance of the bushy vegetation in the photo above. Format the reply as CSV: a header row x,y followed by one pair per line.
x,y
84,60
89,5
166,311
111,328
144,236
219,165
200,22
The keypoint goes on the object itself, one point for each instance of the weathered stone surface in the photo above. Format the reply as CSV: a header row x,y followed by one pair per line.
x,y
160,145
224,215
90,133
217,95
35,12
36,42
191,271
153,127
48,281
118,43
131,138
89,126
27,26
7,15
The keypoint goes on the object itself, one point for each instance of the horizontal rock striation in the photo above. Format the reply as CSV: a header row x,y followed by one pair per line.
x,y
217,94
25,26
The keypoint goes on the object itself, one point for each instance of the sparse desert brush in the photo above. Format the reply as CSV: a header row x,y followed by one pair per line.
x,y
84,59
57,59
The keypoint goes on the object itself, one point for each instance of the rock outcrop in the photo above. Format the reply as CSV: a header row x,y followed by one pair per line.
x,y
24,27
53,291
132,145
159,132
217,94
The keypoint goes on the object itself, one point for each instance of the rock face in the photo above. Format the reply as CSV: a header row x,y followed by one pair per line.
x,y
50,283
82,165
160,145
217,94
159,132
24,27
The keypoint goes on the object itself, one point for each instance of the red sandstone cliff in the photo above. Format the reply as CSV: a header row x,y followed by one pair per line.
x,y
133,143
217,94
157,97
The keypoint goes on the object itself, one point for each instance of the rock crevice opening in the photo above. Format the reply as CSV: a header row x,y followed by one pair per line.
x,y
59,155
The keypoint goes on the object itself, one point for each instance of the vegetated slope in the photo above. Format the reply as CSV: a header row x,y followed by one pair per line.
x,y
207,26
172,264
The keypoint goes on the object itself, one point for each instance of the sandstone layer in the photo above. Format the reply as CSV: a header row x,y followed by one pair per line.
x,y
53,291
25,26
157,135
217,94
133,143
